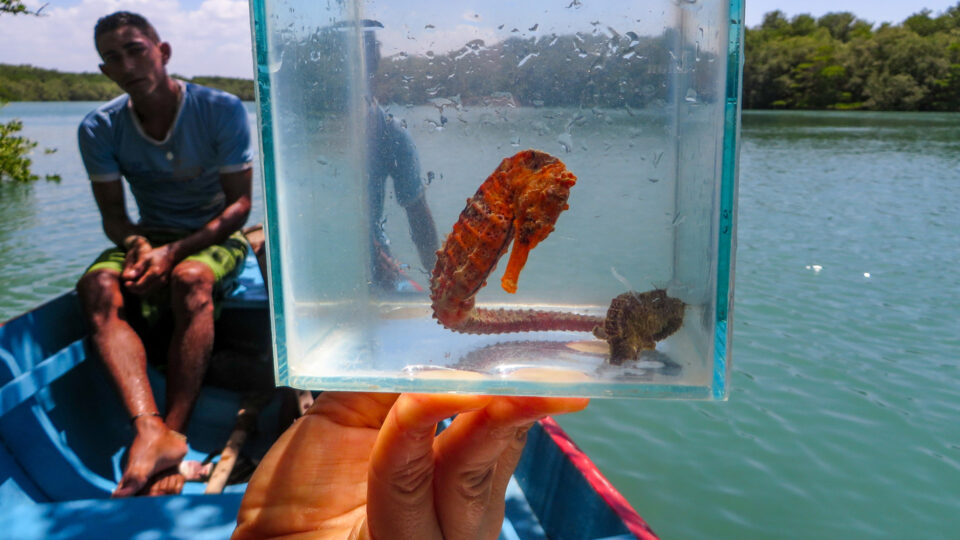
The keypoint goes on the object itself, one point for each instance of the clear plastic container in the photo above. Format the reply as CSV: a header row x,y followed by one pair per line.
x,y
379,119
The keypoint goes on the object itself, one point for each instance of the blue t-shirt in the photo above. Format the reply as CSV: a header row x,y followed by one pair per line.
x,y
176,181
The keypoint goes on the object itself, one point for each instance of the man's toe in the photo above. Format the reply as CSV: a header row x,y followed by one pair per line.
x,y
128,486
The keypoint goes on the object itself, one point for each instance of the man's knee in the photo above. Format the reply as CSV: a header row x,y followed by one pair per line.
x,y
99,292
191,285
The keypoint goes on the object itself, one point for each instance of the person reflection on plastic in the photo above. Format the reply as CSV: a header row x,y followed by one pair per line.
x,y
392,153
369,466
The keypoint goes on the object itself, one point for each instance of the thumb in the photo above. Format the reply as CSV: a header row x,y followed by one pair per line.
x,y
133,268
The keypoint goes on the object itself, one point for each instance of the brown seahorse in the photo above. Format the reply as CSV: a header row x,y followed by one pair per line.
x,y
519,202
637,321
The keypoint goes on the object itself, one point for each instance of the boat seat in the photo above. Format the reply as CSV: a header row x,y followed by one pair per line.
x,y
251,291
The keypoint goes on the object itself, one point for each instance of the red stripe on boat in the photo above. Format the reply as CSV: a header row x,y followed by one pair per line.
x,y
598,482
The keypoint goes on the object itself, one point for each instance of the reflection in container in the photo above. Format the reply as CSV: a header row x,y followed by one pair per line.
x,y
638,102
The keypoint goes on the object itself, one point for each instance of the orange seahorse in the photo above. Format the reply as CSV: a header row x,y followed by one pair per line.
x,y
519,202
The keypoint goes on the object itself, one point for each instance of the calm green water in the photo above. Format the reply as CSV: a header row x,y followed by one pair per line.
x,y
844,419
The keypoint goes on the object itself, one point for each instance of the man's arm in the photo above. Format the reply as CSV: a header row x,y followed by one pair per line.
x,y
149,268
423,231
113,213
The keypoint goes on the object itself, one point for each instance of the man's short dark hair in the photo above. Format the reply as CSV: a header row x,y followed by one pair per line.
x,y
113,21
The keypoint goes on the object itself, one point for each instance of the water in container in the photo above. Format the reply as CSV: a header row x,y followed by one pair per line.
x,y
533,198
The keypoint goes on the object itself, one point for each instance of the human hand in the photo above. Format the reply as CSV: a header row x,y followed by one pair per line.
x,y
146,268
368,466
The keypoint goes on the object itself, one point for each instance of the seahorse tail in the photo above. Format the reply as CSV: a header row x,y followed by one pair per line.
x,y
504,321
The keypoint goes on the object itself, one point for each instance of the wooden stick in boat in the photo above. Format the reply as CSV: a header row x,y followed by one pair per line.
x,y
246,423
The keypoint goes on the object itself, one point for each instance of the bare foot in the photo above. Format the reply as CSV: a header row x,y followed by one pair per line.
x,y
156,448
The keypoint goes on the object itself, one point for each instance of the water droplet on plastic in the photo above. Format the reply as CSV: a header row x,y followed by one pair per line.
x,y
515,140
619,277
534,27
691,96
276,62
527,58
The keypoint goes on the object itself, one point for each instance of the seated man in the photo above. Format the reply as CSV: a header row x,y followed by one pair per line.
x,y
185,152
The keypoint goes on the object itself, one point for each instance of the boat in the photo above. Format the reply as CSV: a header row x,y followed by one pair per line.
x,y
63,434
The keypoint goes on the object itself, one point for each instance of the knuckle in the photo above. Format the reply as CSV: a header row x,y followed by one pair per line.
x,y
413,478
475,485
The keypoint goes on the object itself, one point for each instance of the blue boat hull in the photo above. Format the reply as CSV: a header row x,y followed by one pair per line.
x,y
63,433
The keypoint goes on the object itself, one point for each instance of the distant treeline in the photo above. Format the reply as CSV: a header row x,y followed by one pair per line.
x,y
600,68
28,83
838,61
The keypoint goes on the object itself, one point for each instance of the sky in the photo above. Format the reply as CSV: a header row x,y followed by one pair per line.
x,y
212,37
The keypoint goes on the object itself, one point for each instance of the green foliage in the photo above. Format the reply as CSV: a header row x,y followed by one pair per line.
x,y
242,88
13,7
28,83
573,70
836,61
841,62
14,163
